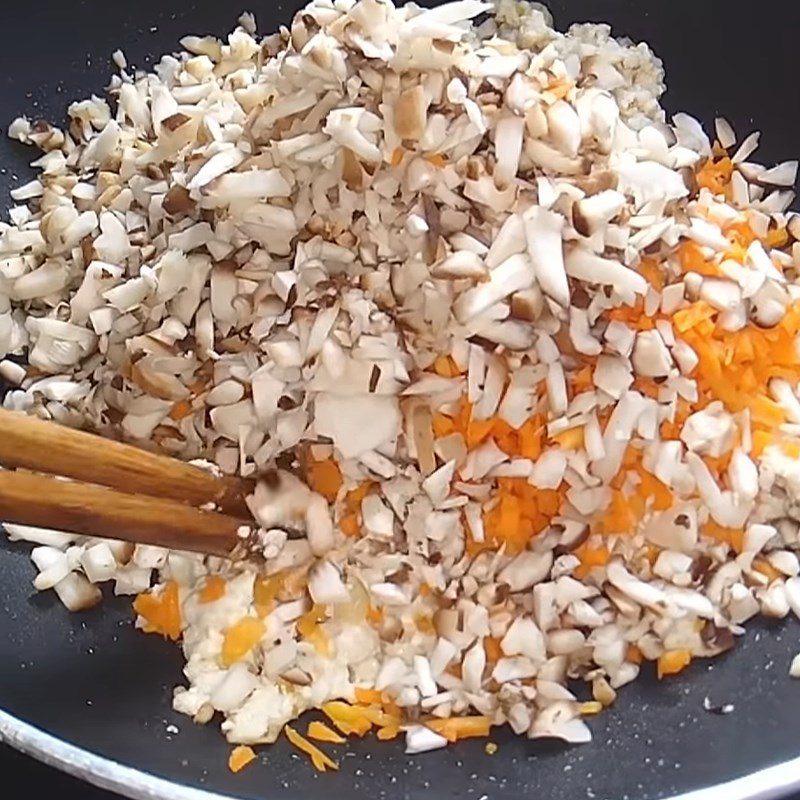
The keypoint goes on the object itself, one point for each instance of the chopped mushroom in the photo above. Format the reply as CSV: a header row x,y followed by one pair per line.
x,y
508,360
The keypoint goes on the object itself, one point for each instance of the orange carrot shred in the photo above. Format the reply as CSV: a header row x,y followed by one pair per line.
x,y
320,761
445,367
161,611
310,629
767,570
478,431
322,733
240,757
438,160
716,176
634,654
571,439
265,592
240,639
560,89
455,728
424,624
791,449
325,478
777,238
350,526
368,696
388,732
213,589
354,497
350,720
442,426
687,318
672,662
180,410
731,536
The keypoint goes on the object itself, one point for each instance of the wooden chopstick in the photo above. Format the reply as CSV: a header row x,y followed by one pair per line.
x,y
53,449
65,505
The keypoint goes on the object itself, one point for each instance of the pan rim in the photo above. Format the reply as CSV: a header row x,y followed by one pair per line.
x,y
769,783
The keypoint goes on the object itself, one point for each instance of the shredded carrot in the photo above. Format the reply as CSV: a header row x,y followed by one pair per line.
x,y
355,496
571,439
633,316
388,732
761,440
310,629
350,720
240,757
180,410
622,515
265,592
634,654
368,696
478,431
741,235
522,511
438,160
791,449
777,237
731,536
213,589
316,614
767,570
652,553
672,662
560,88
322,733
506,438
530,438
455,728
325,478
382,716
392,709
320,761
161,611
736,367
445,367
716,176
350,526
688,318
590,557
240,639
350,523
442,426
425,624
651,270
651,487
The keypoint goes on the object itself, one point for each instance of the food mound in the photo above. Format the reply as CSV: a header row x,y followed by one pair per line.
x,y
511,358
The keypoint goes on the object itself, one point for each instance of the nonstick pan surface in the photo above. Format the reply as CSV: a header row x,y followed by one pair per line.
x,y
102,691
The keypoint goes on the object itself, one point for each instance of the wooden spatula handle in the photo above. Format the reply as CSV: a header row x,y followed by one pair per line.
x,y
47,502
54,449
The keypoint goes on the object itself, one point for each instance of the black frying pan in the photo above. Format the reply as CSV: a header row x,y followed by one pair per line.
x,y
102,691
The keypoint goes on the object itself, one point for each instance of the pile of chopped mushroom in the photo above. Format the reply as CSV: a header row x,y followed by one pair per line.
x,y
514,360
